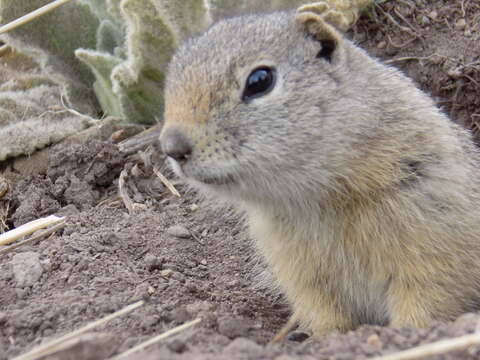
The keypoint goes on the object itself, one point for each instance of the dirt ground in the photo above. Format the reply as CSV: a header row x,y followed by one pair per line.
x,y
187,260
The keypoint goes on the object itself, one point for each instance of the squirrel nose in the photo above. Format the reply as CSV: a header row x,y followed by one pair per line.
x,y
176,145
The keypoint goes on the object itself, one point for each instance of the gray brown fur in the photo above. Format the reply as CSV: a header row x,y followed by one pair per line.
x,y
362,196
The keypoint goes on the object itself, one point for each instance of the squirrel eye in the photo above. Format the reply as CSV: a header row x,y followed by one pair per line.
x,y
260,82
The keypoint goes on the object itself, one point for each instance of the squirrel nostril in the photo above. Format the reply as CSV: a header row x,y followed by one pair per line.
x,y
176,145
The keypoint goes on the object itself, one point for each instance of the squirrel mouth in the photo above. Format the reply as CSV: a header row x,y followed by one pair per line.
x,y
216,180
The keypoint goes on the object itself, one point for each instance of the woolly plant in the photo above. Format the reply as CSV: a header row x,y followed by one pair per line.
x,y
31,112
117,50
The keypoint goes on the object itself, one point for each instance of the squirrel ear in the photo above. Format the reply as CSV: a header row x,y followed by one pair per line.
x,y
315,19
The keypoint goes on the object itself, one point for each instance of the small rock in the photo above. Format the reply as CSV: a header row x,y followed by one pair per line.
x,y
374,341
233,327
461,24
166,273
26,268
382,44
194,207
203,262
179,231
243,346
152,262
177,346
433,15
454,73
181,315
424,20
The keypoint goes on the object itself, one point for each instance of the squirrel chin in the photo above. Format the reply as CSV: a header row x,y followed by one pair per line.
x,y
202,180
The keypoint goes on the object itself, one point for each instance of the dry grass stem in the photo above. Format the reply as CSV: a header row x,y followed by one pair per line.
x,y
122,190
436,348
43,234
166,182
157,339
29,228
44,350
32,16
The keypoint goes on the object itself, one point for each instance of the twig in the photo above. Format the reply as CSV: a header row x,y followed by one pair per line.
x,y
34,238
462,6
395,22
401,46
409,58
29,228
414,31
42,350
129,204
166,182
157,339
436,348
75,112
32,16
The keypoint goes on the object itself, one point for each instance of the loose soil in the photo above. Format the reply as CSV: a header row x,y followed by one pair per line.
x,y
188,259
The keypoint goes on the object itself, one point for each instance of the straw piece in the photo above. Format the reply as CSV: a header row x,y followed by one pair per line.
x,y
166,182
32,16
436,348
33,238
157,339
29,228
42,350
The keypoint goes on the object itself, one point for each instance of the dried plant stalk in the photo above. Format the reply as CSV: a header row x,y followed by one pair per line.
x,y
47,348
157,339
29,228
436,348
32,16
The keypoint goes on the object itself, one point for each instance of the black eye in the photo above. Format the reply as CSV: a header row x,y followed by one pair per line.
x,y
260,82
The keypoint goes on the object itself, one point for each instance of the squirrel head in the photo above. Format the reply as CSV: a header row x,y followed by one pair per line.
x,y
262,107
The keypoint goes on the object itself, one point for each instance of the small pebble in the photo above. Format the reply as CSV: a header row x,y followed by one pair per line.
x,y
179,231
177,346
461,24
166,273
433,15
152,262
455,73
424,20
194,207
374,341
26,268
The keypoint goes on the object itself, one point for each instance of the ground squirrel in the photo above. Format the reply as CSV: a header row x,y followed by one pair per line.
x,y
362,197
